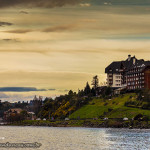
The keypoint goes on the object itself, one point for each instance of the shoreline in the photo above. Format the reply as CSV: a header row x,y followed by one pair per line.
x,y
85,123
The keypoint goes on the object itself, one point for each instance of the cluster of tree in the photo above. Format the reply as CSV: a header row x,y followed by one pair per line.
x,y
4,106
90,91
63,105
17,117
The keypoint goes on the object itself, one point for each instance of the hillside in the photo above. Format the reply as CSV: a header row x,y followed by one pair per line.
x,y
112,108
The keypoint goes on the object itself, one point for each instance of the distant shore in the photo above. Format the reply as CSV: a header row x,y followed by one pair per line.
x,y
85,123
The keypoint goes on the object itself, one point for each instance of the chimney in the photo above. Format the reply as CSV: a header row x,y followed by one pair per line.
x,y
129,57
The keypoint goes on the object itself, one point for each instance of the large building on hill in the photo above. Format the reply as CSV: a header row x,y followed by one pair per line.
x,y
132,73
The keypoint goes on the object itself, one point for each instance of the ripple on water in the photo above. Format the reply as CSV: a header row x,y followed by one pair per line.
x,y
78,138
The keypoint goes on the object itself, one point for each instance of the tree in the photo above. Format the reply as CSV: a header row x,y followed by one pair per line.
x,y
80,93
95,82
70,93
93,92
87,89
24,114
108,91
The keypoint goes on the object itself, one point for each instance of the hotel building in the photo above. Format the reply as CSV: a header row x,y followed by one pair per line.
x,y
131,73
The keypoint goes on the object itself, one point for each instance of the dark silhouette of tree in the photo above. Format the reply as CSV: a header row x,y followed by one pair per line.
x,y
87,89
108,91
80,93
93,92
95,82
70,93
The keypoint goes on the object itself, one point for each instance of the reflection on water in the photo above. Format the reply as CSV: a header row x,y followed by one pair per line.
x,y
77,138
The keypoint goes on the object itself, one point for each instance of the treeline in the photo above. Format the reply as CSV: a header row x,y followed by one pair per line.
x,y
64,105
60,107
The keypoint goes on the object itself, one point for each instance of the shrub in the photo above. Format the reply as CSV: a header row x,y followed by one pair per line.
x,y
113,102
110,109
145,118
105,104
113,124
138,117
129,103
146,106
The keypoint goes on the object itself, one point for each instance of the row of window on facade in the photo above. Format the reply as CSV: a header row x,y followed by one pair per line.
x,y
134,79
137,74
118,80
135,70
134,83
135,87
118,77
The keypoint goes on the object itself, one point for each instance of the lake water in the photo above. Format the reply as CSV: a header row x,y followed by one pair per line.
x,y
53,138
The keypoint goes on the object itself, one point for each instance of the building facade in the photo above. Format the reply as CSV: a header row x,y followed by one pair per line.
x,y
131,73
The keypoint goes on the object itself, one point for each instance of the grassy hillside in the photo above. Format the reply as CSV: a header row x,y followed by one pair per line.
x,y
112,108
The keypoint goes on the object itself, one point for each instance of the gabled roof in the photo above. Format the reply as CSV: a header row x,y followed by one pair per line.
x,y
113,67
126,65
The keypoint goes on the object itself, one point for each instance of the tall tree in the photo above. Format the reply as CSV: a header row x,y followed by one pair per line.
x,y
87,89
95,82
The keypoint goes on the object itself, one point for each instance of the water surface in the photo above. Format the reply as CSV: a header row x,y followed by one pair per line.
x,y
53,138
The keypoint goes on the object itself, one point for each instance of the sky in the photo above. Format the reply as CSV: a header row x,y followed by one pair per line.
x,y
48,47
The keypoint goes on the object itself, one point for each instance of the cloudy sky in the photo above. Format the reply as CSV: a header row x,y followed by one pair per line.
x,y
51,46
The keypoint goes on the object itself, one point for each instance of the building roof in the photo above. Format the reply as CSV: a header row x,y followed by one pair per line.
x,y
18,110
129,63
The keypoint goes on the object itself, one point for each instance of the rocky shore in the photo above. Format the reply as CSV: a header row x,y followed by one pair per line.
x,y
86,123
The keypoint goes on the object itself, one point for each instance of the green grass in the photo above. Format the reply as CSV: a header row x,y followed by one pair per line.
x,y
89,111
99,107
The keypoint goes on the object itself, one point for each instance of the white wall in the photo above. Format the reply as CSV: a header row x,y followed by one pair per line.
x,y
116,80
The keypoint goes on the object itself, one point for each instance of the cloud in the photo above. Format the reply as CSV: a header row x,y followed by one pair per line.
x,y
89,20
20,89
24,12
7,39
66,90
60,28
52,89
85,4
5,24
19,31
43,52
106,3
10,40
37,3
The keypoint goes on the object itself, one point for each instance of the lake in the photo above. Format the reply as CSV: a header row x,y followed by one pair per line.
x,y
55,138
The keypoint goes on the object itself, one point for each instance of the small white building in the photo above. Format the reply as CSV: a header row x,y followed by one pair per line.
x,y
66,119
125,119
